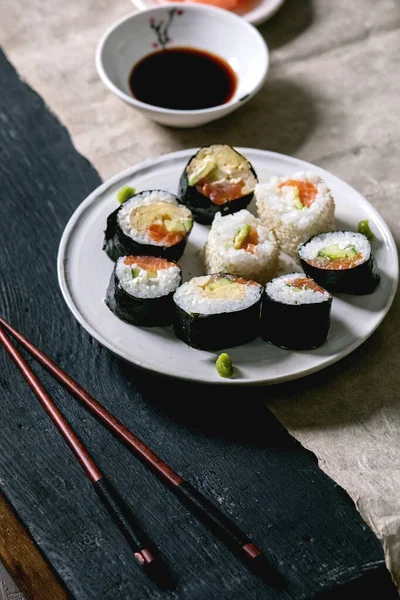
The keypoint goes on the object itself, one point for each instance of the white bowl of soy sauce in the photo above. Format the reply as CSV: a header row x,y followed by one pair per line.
x,y
183,65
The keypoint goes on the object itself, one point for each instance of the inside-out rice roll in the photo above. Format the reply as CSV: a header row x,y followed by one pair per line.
x,y
240,244
150,223
297,207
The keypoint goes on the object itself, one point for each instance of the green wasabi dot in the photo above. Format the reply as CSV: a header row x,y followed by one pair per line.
x,y
363,227
125,193
224,365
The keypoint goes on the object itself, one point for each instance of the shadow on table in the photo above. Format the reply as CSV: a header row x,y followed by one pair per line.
x,y
290,21
280,117
352,390
234,414
358,388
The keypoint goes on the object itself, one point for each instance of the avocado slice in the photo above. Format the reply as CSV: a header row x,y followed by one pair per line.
x,y
213,285
174,225
188,224
241,237
184,226
297,202
135,272
203,170
333,251
151,274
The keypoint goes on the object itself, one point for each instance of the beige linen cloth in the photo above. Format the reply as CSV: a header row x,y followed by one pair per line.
x,y
331,97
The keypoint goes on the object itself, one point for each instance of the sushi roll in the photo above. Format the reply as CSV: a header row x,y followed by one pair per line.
x,y
295,312
217,311
296,207
341,261
217,179
241,245
141,289
151,223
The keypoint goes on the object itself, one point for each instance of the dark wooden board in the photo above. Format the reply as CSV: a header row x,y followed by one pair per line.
x,y
224,441
24,560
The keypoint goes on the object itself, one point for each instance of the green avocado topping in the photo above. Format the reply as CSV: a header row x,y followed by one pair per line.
x,y
125,193
334,251
135,272
365,229
224,365
241,237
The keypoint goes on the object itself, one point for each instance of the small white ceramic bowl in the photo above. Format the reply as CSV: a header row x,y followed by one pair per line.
x,y
193,25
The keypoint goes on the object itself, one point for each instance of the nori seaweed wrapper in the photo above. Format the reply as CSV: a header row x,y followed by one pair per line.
x,y
214,332
146,312
117,244
358,280
295,326
201,206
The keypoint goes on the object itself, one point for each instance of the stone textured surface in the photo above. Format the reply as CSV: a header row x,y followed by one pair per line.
x,y
331,98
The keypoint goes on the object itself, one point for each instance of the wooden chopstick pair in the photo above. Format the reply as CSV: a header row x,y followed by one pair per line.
x,y
218,522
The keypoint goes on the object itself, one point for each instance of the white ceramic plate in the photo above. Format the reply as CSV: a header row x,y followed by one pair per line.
x,y
261,11
84,271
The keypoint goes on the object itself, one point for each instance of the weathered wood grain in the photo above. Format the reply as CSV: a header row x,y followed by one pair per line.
x,y
224,441
23,559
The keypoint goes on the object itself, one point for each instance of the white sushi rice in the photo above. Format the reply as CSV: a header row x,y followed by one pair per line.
x,y
190,297
142,286
293,226
343,239
125,212
280,290
220,256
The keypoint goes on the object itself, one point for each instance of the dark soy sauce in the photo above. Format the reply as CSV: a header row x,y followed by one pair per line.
x,y
183,79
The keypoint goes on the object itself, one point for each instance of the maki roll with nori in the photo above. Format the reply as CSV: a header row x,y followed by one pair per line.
x,y
216,179
241,245
340,261
217,311
151,223
295,312
141,289
297,207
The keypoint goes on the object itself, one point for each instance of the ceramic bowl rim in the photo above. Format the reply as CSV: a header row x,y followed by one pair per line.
x,y
170,111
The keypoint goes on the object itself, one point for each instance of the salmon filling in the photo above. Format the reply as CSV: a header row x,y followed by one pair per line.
x,y
337,264
166,223
220,193
159,233
221,174
307,190
252,241
304,283
149,263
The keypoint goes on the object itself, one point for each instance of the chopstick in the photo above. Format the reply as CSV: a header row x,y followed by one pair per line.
x,y
193,499
117,508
